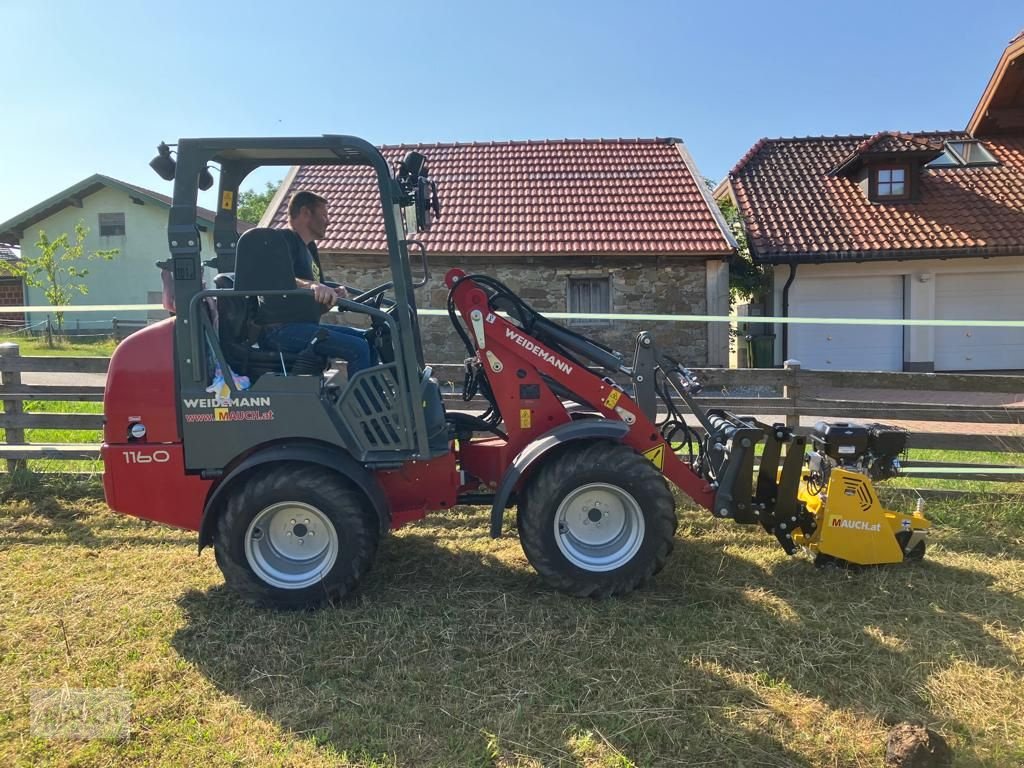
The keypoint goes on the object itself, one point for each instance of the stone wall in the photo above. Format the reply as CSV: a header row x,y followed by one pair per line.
x,y
11,295
654,285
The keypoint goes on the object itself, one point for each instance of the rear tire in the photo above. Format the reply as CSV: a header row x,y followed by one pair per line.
x,y
297,536
597,520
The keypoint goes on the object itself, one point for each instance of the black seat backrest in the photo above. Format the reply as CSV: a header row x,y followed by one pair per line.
x,y
263,261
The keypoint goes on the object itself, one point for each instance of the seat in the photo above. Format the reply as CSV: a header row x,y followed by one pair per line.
x,y
263,263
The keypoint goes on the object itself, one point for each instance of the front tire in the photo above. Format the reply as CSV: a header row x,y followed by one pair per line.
x,y
297,536
597,520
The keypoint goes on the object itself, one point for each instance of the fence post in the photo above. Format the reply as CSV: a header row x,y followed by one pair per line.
x,y
791,391
10,380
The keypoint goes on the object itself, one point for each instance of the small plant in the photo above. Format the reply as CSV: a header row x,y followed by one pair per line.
x,y
55,269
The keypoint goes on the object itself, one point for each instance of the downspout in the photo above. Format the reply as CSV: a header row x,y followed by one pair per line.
x,y
785,310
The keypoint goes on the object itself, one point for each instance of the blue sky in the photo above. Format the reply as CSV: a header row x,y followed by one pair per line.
x,y
93,87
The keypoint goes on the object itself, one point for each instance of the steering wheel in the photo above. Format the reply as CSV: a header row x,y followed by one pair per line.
x,y
375,296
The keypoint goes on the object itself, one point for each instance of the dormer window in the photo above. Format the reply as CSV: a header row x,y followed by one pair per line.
x,y
890,183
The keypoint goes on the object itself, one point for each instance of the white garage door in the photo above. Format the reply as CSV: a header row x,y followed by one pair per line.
x,y
847,347
979,296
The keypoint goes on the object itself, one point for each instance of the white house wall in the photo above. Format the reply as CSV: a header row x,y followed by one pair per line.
x,y
919,281
131,277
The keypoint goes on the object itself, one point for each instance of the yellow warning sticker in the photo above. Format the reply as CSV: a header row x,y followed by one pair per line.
x,y
656,455
612,399
227,199
525,418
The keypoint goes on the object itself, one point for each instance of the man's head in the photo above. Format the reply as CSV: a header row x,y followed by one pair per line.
x,y
307,215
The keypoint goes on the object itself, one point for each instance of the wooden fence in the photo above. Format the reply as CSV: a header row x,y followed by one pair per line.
x,y
808,394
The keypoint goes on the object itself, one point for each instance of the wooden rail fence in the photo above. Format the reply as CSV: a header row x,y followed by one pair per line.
x,y
802,393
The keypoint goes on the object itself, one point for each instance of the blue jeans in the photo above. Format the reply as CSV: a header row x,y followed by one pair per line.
x,y
349,344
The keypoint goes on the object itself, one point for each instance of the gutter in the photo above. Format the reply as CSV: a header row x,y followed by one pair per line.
x,y
785,310
841,257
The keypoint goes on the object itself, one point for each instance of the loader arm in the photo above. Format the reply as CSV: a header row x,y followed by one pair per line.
x,y
523,374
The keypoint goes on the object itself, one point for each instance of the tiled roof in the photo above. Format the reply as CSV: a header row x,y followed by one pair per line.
x,y
618,196
7,253
202,213
11,230
795,210
887,141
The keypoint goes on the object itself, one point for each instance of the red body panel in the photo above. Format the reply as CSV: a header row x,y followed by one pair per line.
x,y
486,459
140,386
146,478
420,486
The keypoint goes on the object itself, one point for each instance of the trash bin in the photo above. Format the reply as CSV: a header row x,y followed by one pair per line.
x,y
761,350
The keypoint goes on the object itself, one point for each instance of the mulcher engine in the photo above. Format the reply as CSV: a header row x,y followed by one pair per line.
x,y
871,449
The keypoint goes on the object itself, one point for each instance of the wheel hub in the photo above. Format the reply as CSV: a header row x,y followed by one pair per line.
x,y
291,544
599,527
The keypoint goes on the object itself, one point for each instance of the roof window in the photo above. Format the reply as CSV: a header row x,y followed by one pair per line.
x,y
963,153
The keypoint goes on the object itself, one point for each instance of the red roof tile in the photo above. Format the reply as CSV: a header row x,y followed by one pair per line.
x,y
795,210
618,196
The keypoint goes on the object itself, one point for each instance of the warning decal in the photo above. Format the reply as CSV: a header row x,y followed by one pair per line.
x,y
525,418
656,455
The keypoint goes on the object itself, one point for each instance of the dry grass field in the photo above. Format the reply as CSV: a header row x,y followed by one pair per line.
x,y
455,654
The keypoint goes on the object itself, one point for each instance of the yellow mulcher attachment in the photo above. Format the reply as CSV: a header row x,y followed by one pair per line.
x,y
823,499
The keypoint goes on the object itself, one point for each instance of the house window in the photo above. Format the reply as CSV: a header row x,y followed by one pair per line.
x,y
971,153
891,182
946,160
590,295
111,224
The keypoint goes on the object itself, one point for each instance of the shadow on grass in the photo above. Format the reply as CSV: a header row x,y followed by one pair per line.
x,y
455,653
46,509
455,657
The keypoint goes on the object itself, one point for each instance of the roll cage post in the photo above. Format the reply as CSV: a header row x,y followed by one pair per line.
x,y
236,158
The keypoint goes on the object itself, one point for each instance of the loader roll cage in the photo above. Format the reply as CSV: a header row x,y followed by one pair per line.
x,y
236,158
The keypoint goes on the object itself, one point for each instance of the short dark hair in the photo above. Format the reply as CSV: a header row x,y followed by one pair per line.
x,y
304,199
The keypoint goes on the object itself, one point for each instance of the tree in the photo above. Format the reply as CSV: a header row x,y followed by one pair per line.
x,y
747,281
55,268
252,204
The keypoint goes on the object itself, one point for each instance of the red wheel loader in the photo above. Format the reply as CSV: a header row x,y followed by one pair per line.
x,y
294,480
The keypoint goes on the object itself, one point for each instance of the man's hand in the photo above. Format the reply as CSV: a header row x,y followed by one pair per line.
x,y
340,292
324,295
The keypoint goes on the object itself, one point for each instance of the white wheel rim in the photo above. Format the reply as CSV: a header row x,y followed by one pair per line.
x,y
599,527
291,545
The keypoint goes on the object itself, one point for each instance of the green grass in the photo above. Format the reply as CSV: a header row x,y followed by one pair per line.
x,y
36,346
59,436
455,654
